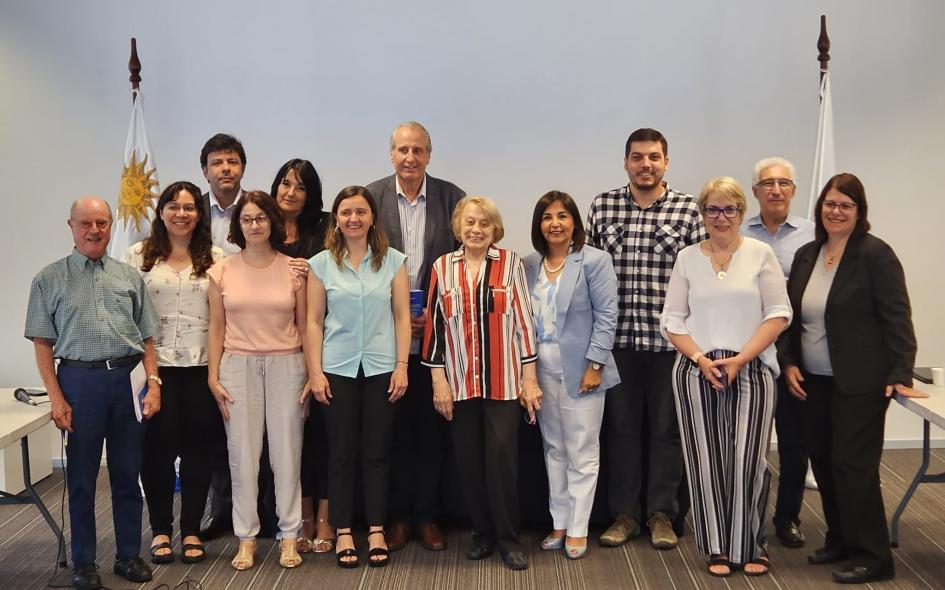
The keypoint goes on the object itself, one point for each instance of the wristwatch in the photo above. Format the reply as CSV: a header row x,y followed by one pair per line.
x,y
156,379
597,366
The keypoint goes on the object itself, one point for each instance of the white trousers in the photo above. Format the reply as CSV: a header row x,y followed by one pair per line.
x,y
266,392
570,427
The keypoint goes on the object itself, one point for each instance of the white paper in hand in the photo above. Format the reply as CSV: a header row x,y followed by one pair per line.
x,y
139,384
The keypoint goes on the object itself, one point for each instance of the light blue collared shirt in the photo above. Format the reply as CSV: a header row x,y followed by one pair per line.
x,y
220,224
359,320
791,235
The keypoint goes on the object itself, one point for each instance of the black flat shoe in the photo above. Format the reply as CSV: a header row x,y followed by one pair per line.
x,y
132,569
184,558
340,555
861,574
480,551
85,577
515,560
378,556
790,535
164,557
826,555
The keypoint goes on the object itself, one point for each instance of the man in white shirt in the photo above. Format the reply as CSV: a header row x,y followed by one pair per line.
x,y
774,187
223,161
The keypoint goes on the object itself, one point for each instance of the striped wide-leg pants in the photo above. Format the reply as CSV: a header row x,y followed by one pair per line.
x,y
725,437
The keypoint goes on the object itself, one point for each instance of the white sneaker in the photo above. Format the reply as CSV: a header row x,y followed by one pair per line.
x,y
810,482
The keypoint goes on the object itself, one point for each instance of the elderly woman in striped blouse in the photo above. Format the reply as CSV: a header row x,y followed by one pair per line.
x,y
480,345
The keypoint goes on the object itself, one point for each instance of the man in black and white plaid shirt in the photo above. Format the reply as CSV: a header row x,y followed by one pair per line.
x,y
643,226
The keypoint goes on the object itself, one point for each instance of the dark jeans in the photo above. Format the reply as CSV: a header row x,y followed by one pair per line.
x,y
846,445
315,453
360,428
485,440
188,426
102,410
790,423
417,454
641,428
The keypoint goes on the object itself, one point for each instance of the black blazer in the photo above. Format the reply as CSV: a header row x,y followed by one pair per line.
x,y
438,239
868,317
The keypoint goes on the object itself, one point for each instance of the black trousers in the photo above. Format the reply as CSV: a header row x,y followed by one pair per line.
x,y
188,426
790,424
641,429
417,457
846,445
315,453
485,440
360,430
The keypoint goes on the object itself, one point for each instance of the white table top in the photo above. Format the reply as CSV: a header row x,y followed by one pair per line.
x,y
930,408
18,419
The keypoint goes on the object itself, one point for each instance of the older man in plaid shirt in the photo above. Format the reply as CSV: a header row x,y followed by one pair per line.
x,y
643,226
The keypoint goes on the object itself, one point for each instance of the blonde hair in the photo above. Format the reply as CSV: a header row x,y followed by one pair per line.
x,y
725,186
488,207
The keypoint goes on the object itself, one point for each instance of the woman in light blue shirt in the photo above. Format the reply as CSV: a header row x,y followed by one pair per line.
x,y
574,301
359,325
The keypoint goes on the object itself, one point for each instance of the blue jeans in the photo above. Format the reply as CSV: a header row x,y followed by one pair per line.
x,y
102,410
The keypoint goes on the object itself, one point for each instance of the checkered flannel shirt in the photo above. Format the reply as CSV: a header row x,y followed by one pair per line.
x,y
644,244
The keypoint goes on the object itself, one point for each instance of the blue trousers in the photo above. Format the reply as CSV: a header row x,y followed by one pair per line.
x,y
102,410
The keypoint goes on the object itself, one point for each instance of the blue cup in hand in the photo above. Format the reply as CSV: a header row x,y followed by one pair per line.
x,y
416,303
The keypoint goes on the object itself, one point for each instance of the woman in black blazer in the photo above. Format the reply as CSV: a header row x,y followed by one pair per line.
x,y
850,347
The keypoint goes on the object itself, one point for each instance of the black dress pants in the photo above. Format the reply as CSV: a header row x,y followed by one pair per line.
x,y
789,422
640,418
417,455
315,453
360,431
846,445
485,440
188,426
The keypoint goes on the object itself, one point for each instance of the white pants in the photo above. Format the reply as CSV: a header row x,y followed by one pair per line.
x,y
570,427
266,392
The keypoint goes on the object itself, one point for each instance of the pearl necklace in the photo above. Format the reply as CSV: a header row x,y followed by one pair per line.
x,y
555,269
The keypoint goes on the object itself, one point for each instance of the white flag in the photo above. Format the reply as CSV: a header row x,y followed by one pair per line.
x,y
824,161
139,189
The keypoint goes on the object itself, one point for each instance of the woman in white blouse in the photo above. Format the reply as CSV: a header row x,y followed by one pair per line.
x,y
725,306
174,262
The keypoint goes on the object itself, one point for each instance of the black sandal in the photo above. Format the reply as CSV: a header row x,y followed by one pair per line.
x,y
184,558
762,561
380,552
340,555
165,558
723,562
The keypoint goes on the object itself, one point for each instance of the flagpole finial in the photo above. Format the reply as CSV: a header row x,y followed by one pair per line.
x,y
134,65
823,46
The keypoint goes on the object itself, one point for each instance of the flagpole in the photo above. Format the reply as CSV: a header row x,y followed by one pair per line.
x,y
134,67
824,156
823,47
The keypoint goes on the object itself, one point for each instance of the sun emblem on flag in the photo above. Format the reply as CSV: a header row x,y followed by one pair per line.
x,y
136,195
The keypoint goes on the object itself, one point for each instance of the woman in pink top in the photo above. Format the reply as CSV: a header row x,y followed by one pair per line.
x,y
257,370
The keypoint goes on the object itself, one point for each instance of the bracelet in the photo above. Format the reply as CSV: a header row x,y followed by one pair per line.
x,y
404,362
695,358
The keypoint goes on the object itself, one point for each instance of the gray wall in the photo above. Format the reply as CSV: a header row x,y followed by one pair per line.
x,y
520,97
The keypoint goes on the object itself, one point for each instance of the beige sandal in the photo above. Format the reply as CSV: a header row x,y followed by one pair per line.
x,y
289,556
244,555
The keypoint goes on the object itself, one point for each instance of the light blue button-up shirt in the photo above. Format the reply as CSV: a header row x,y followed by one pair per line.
x,y
791,235
359,319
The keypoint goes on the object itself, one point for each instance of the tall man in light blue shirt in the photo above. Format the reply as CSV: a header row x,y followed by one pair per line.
x,y
415,210
774,187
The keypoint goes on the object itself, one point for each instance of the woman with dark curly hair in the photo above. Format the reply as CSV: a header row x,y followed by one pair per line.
x,y
173,262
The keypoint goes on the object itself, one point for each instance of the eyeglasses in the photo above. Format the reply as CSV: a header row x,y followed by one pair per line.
x,y
260,220
86,224
176,207
730,212
843,206
769,183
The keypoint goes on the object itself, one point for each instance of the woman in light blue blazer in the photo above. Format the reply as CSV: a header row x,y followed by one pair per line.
x,y
574,301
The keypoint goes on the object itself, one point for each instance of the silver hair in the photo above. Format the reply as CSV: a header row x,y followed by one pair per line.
x,y
415,125
762,165
79,200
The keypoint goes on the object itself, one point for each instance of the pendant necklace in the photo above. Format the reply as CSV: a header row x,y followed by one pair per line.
x,y
553,269
722,267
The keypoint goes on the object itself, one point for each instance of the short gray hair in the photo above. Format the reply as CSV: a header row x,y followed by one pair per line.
x,y
762,165
415,125
89,199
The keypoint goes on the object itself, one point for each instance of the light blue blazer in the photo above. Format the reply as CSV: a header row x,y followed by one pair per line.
x,y
586,314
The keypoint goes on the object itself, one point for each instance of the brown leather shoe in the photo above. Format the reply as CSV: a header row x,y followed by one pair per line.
x,y
398,533
431,538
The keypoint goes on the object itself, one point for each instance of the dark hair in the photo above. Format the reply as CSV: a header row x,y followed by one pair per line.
x,y
268,206
157,246
377,238
849,185
312,220
221,142
538,240
646,134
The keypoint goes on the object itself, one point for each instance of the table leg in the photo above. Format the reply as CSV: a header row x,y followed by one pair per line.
x,y
27,481
919,477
